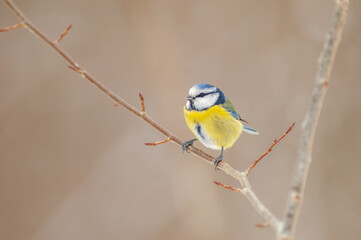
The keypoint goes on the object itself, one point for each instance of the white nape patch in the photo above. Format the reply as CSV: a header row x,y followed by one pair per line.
x,y
195,91
202,103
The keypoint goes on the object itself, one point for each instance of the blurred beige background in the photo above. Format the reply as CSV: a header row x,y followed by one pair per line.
x,y
72,166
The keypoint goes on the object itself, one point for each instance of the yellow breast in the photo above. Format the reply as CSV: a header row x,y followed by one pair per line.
x,y
214,127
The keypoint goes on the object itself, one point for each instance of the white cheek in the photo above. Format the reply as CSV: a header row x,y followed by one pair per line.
x,y
206,101
188,105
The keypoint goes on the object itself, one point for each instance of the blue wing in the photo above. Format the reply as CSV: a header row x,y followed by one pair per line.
x,y
250,130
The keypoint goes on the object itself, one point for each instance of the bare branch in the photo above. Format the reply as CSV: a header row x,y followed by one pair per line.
x,y
250,195
226,168
284,229
248,171
309,125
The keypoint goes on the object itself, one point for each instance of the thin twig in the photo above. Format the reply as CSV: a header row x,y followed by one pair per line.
x,y
63,34
19,25
157,143
264,225
228,187
75,69
248,171
309,125
142,102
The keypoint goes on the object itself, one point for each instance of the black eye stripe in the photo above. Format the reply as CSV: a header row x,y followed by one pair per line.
x,y
204,94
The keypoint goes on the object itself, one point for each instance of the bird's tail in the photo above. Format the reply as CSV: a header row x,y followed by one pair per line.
x,y
250,130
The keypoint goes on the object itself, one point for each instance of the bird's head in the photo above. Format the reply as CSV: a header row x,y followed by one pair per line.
x,y
203,96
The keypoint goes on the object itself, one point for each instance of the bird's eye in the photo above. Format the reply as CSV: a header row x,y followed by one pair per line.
x,y
201,95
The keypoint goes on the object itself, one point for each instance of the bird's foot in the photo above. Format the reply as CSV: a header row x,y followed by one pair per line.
x,y
187,143
218,160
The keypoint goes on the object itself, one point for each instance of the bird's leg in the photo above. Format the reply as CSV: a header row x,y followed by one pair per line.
x,y
187,143
218,160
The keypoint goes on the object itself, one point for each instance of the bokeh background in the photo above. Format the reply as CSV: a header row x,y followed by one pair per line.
x,y
73,166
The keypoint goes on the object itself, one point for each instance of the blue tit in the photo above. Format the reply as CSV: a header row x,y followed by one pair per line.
x,y
212,119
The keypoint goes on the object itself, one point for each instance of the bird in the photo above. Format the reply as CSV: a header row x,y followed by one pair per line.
x,y
212,118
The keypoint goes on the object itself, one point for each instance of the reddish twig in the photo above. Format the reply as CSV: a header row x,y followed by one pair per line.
x,y
262,225
12,27
228,187
269,149
142,102
63,34
157,143
75,69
